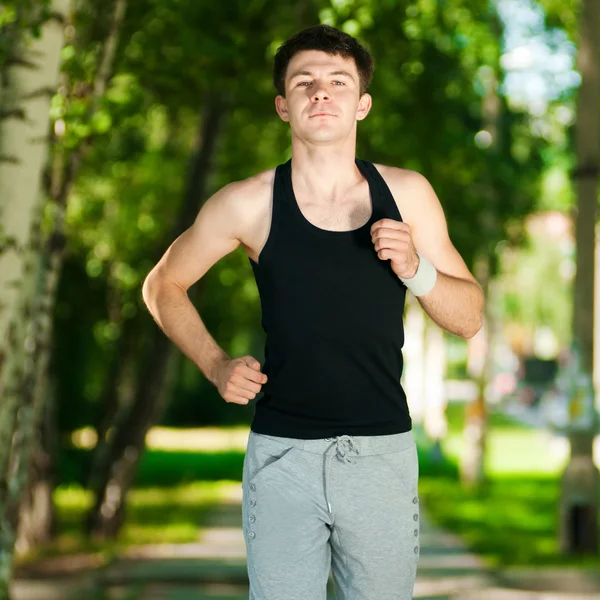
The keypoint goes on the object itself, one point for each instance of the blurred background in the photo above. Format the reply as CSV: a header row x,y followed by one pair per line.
x,y
120,465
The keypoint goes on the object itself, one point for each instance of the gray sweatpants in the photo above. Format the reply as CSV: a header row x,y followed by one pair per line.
x,y
347,505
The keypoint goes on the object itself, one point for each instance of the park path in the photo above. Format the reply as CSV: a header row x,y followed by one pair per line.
x,y
213,568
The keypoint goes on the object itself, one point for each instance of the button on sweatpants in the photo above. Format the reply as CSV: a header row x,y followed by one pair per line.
x,y
347,505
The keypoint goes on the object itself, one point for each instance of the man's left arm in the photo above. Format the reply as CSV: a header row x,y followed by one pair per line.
x,y
455,302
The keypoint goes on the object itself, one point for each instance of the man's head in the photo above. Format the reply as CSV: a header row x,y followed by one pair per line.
x,y
322,75
326,39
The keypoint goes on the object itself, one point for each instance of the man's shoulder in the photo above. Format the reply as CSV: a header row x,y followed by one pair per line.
x,y
412,192
247,197
252,187
246,203
398,177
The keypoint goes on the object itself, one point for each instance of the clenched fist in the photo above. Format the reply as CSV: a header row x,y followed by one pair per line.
x,y
239,379
393,241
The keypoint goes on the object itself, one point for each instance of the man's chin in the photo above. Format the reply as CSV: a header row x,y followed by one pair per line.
x,y
324,137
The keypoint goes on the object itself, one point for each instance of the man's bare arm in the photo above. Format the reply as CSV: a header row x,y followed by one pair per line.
x,y
214,234
454,304
456,301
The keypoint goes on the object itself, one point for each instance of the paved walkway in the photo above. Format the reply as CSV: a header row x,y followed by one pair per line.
x,y
214,568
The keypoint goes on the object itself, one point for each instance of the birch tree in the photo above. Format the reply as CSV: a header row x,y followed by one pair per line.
x,y
29,77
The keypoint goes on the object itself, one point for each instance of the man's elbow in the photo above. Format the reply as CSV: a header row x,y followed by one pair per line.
x,y
157,288
472,328
475,323
150,290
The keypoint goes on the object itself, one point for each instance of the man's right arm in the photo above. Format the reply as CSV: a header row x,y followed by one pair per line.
x,y
215,233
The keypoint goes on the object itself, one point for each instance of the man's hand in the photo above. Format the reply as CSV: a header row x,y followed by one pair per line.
x,y
393,241
239,379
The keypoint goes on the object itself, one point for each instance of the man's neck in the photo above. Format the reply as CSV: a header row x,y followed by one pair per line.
x,y
325,172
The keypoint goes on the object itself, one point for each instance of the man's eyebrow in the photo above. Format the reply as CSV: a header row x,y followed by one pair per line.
x,y
301,73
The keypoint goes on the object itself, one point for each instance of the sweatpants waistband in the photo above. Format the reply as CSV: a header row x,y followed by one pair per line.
x,y
368,445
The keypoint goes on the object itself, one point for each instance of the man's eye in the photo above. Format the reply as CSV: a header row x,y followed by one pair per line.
x,y
303,82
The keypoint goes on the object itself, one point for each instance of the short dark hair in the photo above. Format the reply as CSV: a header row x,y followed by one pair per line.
x,y
326,39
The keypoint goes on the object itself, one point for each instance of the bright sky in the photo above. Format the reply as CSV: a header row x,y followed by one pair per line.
x,y
540,64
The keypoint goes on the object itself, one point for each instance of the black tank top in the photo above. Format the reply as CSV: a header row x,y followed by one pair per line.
x,y
332,313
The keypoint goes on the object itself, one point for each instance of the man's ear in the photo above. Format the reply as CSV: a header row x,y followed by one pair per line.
x,y
364,106
281,108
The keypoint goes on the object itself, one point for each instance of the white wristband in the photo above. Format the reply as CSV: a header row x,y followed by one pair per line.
x,y
423,280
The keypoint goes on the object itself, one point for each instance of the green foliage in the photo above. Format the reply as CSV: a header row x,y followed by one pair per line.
x,y
563,15
432,63
512,522
125,204
160,468
154,515
20,20
78,360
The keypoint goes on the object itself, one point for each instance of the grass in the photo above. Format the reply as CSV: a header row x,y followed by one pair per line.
x,y
163,468
513,519
510,521
172,494
513,448
155,515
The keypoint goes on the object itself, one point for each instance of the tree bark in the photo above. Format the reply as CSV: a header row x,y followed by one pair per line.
x,y
472,466
30,77
435,394
37,517
414,362
578,528
119,383
37,508
119,456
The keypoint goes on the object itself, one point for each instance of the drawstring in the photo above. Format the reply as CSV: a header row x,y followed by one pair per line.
x,y
343,445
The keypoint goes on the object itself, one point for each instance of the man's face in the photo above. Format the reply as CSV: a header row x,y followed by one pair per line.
x,y
323,101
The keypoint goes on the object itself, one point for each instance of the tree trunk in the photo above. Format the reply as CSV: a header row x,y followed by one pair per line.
x,y
435,394
578,528
30,77
119,456
472,466
40,327
37,517
473,459
118,390
119,462
37,510
413,353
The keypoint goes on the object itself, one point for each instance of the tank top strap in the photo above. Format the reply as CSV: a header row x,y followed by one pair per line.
x,y
384,205
279,188
283,177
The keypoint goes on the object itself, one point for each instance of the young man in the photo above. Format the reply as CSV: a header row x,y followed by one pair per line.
x,y
330,473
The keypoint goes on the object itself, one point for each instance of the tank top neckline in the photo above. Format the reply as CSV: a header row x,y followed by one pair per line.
x,y
291,197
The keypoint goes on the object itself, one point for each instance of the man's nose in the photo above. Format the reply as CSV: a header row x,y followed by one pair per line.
x,y
320,93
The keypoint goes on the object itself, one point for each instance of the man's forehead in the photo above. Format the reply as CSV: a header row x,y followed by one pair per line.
x,y
308,60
